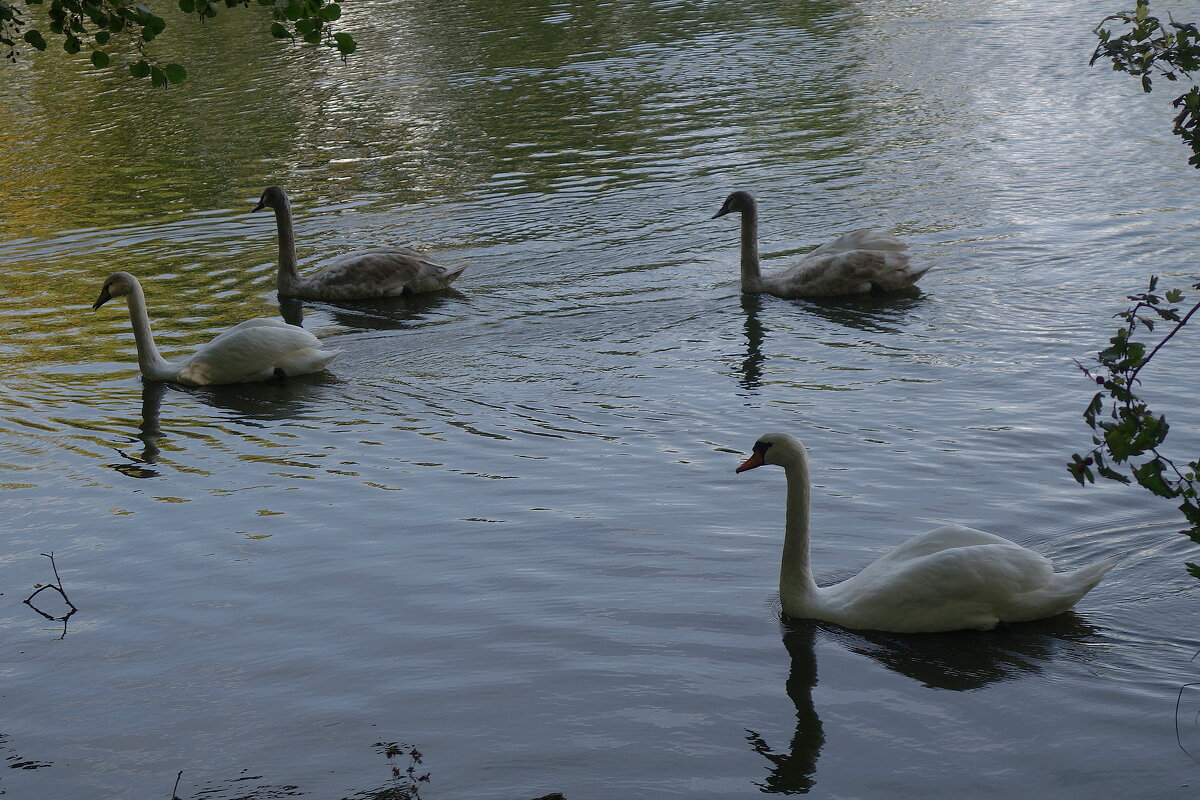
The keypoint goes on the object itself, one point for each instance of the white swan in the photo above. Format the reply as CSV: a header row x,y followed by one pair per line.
x,y
378,272
254,350
951,578
854,263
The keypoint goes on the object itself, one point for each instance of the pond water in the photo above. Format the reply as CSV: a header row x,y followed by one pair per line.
x,y
504,528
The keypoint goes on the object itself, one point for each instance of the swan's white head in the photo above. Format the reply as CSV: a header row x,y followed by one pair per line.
x,y
118,284
736,203
272,197
781,449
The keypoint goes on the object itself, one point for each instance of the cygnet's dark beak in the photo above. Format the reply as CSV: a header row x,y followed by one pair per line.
x,y
755,460
261,205
102,299
720,213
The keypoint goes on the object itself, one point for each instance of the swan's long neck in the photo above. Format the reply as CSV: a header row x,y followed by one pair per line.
x,y
150,361
751,275
797,589
288,274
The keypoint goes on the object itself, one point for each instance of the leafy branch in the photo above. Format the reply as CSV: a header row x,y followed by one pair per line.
x,y
99,25
1128,435
1148,47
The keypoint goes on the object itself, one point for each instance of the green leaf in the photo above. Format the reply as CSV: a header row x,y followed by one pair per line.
x,y
345,43
99,59
34,38
71,45
306,26
187,6
280,32
175,73
1150,476
330,12
102,37
158,77
139,69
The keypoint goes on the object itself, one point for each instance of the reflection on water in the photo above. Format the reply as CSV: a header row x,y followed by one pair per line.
x,y
967,660
138,465
961,661
381,314
752,364
476,531
794,769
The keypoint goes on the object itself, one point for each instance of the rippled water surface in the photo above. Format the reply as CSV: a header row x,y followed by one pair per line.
x,y
504,528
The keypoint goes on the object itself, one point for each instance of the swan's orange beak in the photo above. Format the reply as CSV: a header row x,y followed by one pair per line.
x,y
755,460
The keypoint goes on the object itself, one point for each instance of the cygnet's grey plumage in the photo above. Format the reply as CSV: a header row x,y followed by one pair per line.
x,y
855,263
377,272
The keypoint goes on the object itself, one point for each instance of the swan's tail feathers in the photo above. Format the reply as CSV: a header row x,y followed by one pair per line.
x,y
452,272
1086,578
1071,586
305,361
898,271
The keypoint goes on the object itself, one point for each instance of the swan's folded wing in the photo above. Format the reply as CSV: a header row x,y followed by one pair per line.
x,y
258,322
865,239
246,353
380,272
951,589
988,573
943,538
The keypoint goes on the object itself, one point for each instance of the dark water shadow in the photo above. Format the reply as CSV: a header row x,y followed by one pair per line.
x,y
267,401
965,660
960,661
385,313
881,313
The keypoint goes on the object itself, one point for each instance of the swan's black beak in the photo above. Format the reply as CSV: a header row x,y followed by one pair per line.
x,y
102,299
261,205
755,460
724,210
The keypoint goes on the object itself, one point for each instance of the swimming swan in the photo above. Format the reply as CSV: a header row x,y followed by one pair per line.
x,y
254,350
951,578
855,263
378,272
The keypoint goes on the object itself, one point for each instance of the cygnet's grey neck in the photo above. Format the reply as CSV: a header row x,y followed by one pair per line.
x,y
751,275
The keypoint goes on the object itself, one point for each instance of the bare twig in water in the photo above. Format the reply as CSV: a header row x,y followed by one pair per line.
x,y
1178,736
175,791
56,587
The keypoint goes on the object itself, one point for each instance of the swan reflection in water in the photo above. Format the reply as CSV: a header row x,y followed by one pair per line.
x,y
960,661
381,314
248,404
137,465
752,364
870,313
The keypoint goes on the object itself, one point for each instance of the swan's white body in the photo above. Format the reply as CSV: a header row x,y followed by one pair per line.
x,y
855,263
378,272
951,578
254,350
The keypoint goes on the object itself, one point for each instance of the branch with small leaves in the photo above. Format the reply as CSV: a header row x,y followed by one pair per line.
x,y
98,25
1128,435
1144,46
